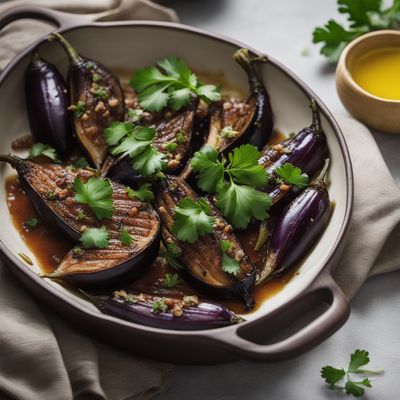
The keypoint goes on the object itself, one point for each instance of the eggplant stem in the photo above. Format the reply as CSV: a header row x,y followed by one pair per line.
x,y
262,236
10,159
98,301
72,53
243,58
316,119
247,299
321,176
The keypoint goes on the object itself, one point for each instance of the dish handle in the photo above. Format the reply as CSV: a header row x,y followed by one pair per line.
x,y
62,20
245,340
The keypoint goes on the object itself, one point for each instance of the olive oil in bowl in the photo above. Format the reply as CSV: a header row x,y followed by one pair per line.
x,y
378,72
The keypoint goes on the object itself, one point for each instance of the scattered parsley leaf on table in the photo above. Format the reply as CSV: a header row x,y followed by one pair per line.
x,y
229,265
95,238
41,149
172,280
292,175
143,193
172,84
363,16
335,377
96,193
191,219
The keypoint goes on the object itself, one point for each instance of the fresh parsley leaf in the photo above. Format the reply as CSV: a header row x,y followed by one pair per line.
x,y
95,238
192,219
172,84
172,280
81,163
136,142
116,132
181,137
96,193
41,149
31,223
172,253
240,203
229,265
244,167
363,16
228,132
149,162
125,237
333,376
143,193
210,169
292,175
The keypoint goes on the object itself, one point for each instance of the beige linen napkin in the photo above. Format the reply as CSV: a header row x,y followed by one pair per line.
x,y
41,356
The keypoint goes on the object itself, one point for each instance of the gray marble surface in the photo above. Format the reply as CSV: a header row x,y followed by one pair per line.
x,y
283,29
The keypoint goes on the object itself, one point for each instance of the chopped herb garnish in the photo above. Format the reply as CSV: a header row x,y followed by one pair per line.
x,y
31,223
192,219
292,175
125,237
237,197
171,255
181,137
77,252
159,306
81,163
143,193
89,65
97,194
170,146
135,115
52,196
101,93
335,377
172,84
172,280
229,265
228,132
95,238
96,77
41,149
81,216
79,109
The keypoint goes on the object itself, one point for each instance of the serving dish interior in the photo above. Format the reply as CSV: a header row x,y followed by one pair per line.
x,y
135,46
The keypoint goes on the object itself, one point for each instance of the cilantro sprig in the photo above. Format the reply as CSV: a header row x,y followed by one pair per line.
x,y
363,16
292,175
137,143
41,149
229,265
192,219
336,377
172,280
96,193
170,83
143,193
95,238
235,182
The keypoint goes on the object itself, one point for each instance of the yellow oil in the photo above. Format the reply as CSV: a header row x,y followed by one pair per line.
x,y
378,72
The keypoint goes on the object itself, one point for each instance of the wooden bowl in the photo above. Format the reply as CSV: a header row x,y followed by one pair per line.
x,y
376,112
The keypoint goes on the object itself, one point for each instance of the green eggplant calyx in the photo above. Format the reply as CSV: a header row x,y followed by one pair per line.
x,y
72,53
316,120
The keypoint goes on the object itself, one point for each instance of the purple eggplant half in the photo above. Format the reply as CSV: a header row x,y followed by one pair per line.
x,y
202,260
306,150
50,188
185,314
173,138
47,105
297,229
97,100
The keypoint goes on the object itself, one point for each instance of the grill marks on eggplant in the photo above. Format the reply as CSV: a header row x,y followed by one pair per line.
x,y
203,258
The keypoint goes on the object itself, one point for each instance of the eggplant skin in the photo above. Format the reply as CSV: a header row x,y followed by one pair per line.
x,y
296,230
202,260
187,313
50,188
47,102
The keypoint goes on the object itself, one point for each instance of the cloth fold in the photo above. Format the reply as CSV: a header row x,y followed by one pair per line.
x,y
43,358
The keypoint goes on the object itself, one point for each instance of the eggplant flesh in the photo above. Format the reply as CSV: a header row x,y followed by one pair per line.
x,y
187,313
50,188
96,98
202,260
297,229
307,150
47,103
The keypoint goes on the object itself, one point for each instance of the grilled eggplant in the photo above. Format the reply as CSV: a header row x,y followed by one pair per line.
x,y
202,260
187,313
306,150
50,189
47,102
96,100
297,229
